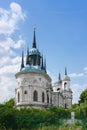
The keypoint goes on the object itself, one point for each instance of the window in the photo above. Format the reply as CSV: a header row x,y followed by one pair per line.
x,y
47,98
58,89
65,105
25,96
25,92
18,97
35,96
43,97
34,61
65,85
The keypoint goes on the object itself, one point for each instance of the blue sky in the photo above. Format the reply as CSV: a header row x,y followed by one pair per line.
x,y
61,35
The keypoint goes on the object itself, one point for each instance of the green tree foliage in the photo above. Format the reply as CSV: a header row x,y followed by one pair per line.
x,y
29,119
83,96
7,117
80,109
10,103
32,119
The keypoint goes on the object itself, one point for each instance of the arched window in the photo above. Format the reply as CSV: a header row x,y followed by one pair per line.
x,y
35,96
25,96
65,105
65,85
58,89
43,97
25,92
18,97
47,98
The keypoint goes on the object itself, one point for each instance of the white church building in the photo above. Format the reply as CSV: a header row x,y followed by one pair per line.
x,y
34,86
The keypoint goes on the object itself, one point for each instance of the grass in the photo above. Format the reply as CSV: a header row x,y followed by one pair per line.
x,y
76,126
64,126
70,127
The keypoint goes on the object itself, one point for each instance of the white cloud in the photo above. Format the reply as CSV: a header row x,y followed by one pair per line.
x,y
7,88
8,69
19,43
10,18
75,75
85,70
17,12
77,90
9,61
7,80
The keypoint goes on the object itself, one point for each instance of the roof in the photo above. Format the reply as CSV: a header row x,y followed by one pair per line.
x,y
29,68
34,51
66,77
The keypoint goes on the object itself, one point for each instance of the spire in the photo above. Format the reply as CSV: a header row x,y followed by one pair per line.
x,y
65,71
22,62
34,39
59,77
27,57
42,63
45,64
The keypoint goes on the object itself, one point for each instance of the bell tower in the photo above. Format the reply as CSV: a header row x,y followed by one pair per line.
x,y
33,82
66,81
67,93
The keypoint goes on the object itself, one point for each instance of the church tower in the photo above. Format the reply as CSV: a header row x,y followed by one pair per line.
x,y
34,87
33,83
67,93
66,81
62,94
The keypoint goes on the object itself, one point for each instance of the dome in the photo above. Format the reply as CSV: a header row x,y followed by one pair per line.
x,y
66,77
34,51
32,68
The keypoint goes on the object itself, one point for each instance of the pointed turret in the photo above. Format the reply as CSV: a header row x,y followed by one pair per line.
x,y
22,61
34,39
45,64
59,77
65,71
66,77
42,63
27,57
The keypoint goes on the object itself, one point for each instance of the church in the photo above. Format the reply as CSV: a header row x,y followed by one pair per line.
x,y
34,86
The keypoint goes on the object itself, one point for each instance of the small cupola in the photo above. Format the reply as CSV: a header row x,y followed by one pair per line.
x,y
66,77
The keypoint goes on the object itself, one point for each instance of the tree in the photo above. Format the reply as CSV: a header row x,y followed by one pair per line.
x,y
10,103
7,117
83,96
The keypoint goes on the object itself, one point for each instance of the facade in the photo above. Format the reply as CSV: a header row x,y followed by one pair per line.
x,y
34,85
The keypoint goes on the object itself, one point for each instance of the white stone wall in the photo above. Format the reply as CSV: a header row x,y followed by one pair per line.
x,y
57,99
62,97
30,82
